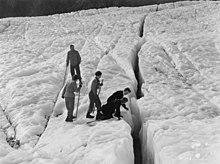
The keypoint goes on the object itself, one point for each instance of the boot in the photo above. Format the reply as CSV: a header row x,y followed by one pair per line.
x,y
69,119
72,117
89,116
99,116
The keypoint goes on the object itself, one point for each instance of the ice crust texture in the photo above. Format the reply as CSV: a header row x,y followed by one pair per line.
x,y
170,51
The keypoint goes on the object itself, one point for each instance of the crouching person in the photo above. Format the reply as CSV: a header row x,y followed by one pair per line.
x,y
111,108
119,95
68,94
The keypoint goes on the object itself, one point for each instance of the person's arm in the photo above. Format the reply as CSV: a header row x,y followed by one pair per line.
x,y
67,60
125,106
79,58
117,111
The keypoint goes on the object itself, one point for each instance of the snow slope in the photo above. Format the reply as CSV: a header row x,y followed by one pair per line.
x,y
115,41
180,67
33,54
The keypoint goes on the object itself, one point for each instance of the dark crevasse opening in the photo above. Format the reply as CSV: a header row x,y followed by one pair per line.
x,y
137,123
136,139
8,129
137,151
137,73
139,93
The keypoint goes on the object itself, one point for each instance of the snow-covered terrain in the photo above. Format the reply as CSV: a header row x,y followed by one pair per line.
x,y
168,55
180,65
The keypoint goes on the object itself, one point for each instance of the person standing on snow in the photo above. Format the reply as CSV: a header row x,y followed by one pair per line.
x,y
110,108
93,95
75,59
68,94
119,95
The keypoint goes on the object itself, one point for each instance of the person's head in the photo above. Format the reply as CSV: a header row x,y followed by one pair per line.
x,y
124,100
72,47
127,91
75,77
98,74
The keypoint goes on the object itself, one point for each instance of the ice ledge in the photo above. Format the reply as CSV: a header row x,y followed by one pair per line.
x,y
107,141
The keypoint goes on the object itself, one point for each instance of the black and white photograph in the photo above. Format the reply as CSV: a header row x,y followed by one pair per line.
x,y
109,82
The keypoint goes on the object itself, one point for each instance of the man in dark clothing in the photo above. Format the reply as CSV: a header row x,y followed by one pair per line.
x,y
68,94
119,95
75,59
110,108
93,95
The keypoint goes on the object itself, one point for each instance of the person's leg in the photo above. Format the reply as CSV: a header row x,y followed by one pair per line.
x,y
108,114
99,116
78,72
117,112
98,106
72,70
66,103
71,106
98,103
68,107
91,105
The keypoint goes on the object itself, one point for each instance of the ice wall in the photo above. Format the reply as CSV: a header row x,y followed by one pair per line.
x,y
180,66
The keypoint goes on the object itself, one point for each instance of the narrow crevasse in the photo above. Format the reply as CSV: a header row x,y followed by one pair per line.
x,y
137,123
54,105
137,141
8,130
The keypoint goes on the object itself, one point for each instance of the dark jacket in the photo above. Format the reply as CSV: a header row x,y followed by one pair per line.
x,y
73,57
117,95
110,108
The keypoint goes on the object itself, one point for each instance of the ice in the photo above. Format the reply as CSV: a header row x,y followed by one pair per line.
x,y
178,59
179,64
115,78
33,74
33,156
186,141
80,143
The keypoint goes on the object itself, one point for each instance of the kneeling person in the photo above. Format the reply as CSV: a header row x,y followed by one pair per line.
x,y
119,95
110,108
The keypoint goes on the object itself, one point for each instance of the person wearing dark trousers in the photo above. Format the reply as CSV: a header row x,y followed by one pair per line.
x,y
93,95
110,108
68,94
119,95
74,58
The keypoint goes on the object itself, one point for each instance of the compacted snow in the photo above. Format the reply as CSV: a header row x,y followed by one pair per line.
x,y
179,64
168,54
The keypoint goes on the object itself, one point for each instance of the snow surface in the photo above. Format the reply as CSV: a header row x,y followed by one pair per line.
x,y
180,67
181,85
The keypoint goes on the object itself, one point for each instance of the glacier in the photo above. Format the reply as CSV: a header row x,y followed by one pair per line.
x,y
167,54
